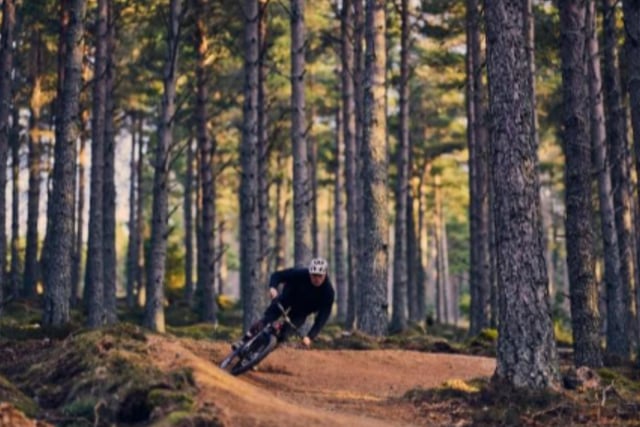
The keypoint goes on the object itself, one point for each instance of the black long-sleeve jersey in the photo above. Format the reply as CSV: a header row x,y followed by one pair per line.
x,y
303,297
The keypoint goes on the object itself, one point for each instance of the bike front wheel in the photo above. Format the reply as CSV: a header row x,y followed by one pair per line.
x,y
253,353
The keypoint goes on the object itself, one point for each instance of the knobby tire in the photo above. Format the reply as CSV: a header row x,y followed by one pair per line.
x,y
258,350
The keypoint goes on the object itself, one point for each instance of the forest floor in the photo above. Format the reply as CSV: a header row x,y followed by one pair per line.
x,y
126,376
304,387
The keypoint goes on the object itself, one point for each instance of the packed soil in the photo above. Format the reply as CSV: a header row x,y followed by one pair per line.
x,y
308,387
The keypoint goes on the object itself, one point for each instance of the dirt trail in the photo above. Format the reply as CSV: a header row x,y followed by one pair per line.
x,y
297,387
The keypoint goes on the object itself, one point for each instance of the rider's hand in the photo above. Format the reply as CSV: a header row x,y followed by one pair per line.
x,y
306,341
273,292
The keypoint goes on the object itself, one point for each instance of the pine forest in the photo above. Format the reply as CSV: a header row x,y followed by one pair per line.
x,y
468,169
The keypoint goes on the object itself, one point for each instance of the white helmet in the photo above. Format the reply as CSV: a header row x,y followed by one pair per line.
x,y
318,266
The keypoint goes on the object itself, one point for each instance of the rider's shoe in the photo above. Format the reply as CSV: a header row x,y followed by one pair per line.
x,y
236,345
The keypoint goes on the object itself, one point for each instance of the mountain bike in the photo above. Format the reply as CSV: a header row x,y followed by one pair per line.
x,y
255,349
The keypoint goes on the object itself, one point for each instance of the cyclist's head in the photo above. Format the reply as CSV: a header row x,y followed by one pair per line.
x,y
318,266
318,270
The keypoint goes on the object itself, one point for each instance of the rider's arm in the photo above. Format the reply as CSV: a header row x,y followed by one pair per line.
x,y
322,316
281,276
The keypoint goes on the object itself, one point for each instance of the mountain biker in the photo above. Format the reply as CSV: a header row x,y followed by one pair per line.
x,y
305,291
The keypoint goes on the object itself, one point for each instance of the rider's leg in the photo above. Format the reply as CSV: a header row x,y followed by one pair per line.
x,y
271,313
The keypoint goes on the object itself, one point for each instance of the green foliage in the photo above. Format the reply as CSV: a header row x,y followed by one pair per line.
x,y
482,402
484,343
104,371
11,394
81,408
563,334
627,377
206,331
172,399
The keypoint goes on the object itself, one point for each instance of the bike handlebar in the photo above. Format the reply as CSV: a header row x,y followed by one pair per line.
x,y
285,316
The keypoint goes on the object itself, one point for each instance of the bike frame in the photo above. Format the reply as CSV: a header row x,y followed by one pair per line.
x,y
248,358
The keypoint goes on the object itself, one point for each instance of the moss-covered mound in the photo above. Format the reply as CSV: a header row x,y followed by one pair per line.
x,y
9,393
615,401
105,377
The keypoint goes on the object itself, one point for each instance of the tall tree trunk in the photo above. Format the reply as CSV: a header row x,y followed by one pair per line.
x,y
221,261
442,283
263,144
422,240
109,190
16,266
312,156
95,255
349,129
450,299
282,208
413,253
400,254
60,216
339,221
188,225
301,198
358,94
132,245
80,201
524,359
31,268
480,274
200,261
250,288
373,295
206,146
154,308
584,295
6,66
437,250
415,270
631,10
618,301
140,220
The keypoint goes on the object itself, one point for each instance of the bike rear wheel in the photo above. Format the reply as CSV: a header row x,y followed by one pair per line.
x,y
256,350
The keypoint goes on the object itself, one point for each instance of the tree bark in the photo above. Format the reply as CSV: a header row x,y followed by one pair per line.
x,y
132,245
526,354
76,295
339,221
188,224
16,265
251,289
6,66
95,256
579,230
614,144
480,274
109,191
401,255
349,129
207,273
301,188
631,10
442,284
154,308
280,238
263,144
57,275
31,268
372,316
140,220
